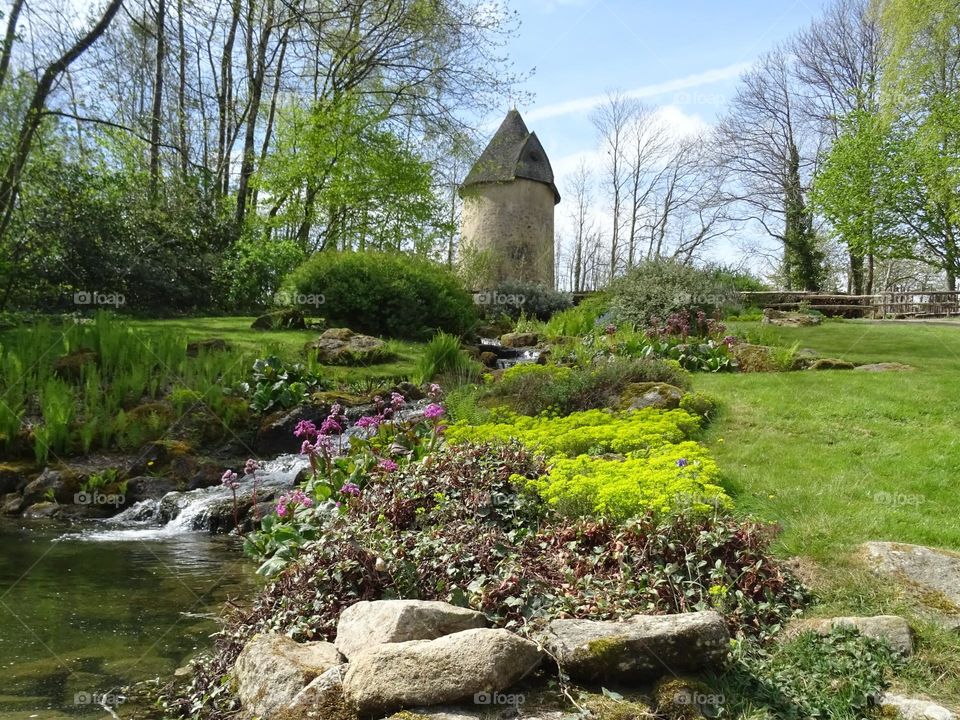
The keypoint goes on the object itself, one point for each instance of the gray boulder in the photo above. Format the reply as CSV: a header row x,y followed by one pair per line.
x,y
272,669
341,346
322,699
884,367
891,628
936,572
914,709
516,340
436,672
367,624
661,396
642,647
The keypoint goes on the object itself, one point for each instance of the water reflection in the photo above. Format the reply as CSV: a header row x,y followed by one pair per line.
x,y
80,618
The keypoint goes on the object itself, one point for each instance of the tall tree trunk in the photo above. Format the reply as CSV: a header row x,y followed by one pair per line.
x,y
8,39
272,113
224,101
256,69
10,181
182,94
157,99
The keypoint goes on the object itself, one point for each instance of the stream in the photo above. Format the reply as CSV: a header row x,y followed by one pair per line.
x,y
87,609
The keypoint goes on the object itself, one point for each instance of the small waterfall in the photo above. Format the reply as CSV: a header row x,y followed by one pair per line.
x,y
508,357
195,510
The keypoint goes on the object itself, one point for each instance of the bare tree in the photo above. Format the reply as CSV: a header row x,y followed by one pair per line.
x,y
763,145
612,121
580,194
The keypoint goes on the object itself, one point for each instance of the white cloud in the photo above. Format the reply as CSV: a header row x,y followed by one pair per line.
x,y
585,104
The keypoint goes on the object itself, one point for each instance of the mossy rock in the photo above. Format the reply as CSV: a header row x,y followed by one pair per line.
x,y
195,348
143,412
326,398
70,366
830,364
680,698
754,358
283,319
662,396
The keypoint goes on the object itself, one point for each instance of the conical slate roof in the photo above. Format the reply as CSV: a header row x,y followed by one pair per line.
x,y
514,152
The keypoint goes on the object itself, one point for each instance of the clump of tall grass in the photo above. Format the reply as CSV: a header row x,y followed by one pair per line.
x,y
444,356
127,367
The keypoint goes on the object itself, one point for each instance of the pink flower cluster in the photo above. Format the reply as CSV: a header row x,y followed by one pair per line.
x,y
230,480
289,501
433,411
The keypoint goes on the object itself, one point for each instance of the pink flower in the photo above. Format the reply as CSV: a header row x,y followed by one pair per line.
x,y
387,465
432,411
229,479
370,422
397,401
350,488
305,429
435,392
251,467
288,501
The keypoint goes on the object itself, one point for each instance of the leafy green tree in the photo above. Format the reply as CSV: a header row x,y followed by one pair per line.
x,y
922,97
341,179
856,190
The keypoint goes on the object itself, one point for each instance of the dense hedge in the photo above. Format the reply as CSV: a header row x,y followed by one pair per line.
x,y
391,294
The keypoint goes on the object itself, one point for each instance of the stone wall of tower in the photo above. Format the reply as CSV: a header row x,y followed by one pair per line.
x,y
512,222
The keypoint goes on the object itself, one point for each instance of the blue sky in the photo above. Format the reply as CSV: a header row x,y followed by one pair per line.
x,y
685,55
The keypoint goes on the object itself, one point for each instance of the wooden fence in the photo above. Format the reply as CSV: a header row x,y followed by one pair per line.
x,y
932,304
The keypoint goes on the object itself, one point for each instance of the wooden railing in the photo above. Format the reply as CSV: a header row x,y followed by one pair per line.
x,y
884,305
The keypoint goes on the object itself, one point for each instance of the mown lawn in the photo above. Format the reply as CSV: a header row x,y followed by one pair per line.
x,y
841,457
287,344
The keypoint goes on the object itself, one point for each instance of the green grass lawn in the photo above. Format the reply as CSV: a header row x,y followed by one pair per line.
x,y
841,457
287,344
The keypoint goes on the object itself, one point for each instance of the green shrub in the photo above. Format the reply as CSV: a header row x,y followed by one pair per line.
x,y
659,288
513,298
391,294
533,389
444,356
701,404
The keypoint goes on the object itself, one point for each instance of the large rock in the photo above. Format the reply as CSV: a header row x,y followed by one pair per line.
x,y
59,485
661,396
321,699
283,319
754,358
435,672
914,709
891,628
516,340
830,364
275,435
642,647
789,319
367,624
341,346
936,572
884,367
148,487
272,669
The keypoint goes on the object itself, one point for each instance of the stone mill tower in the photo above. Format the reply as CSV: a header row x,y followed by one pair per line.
x,y
508,204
